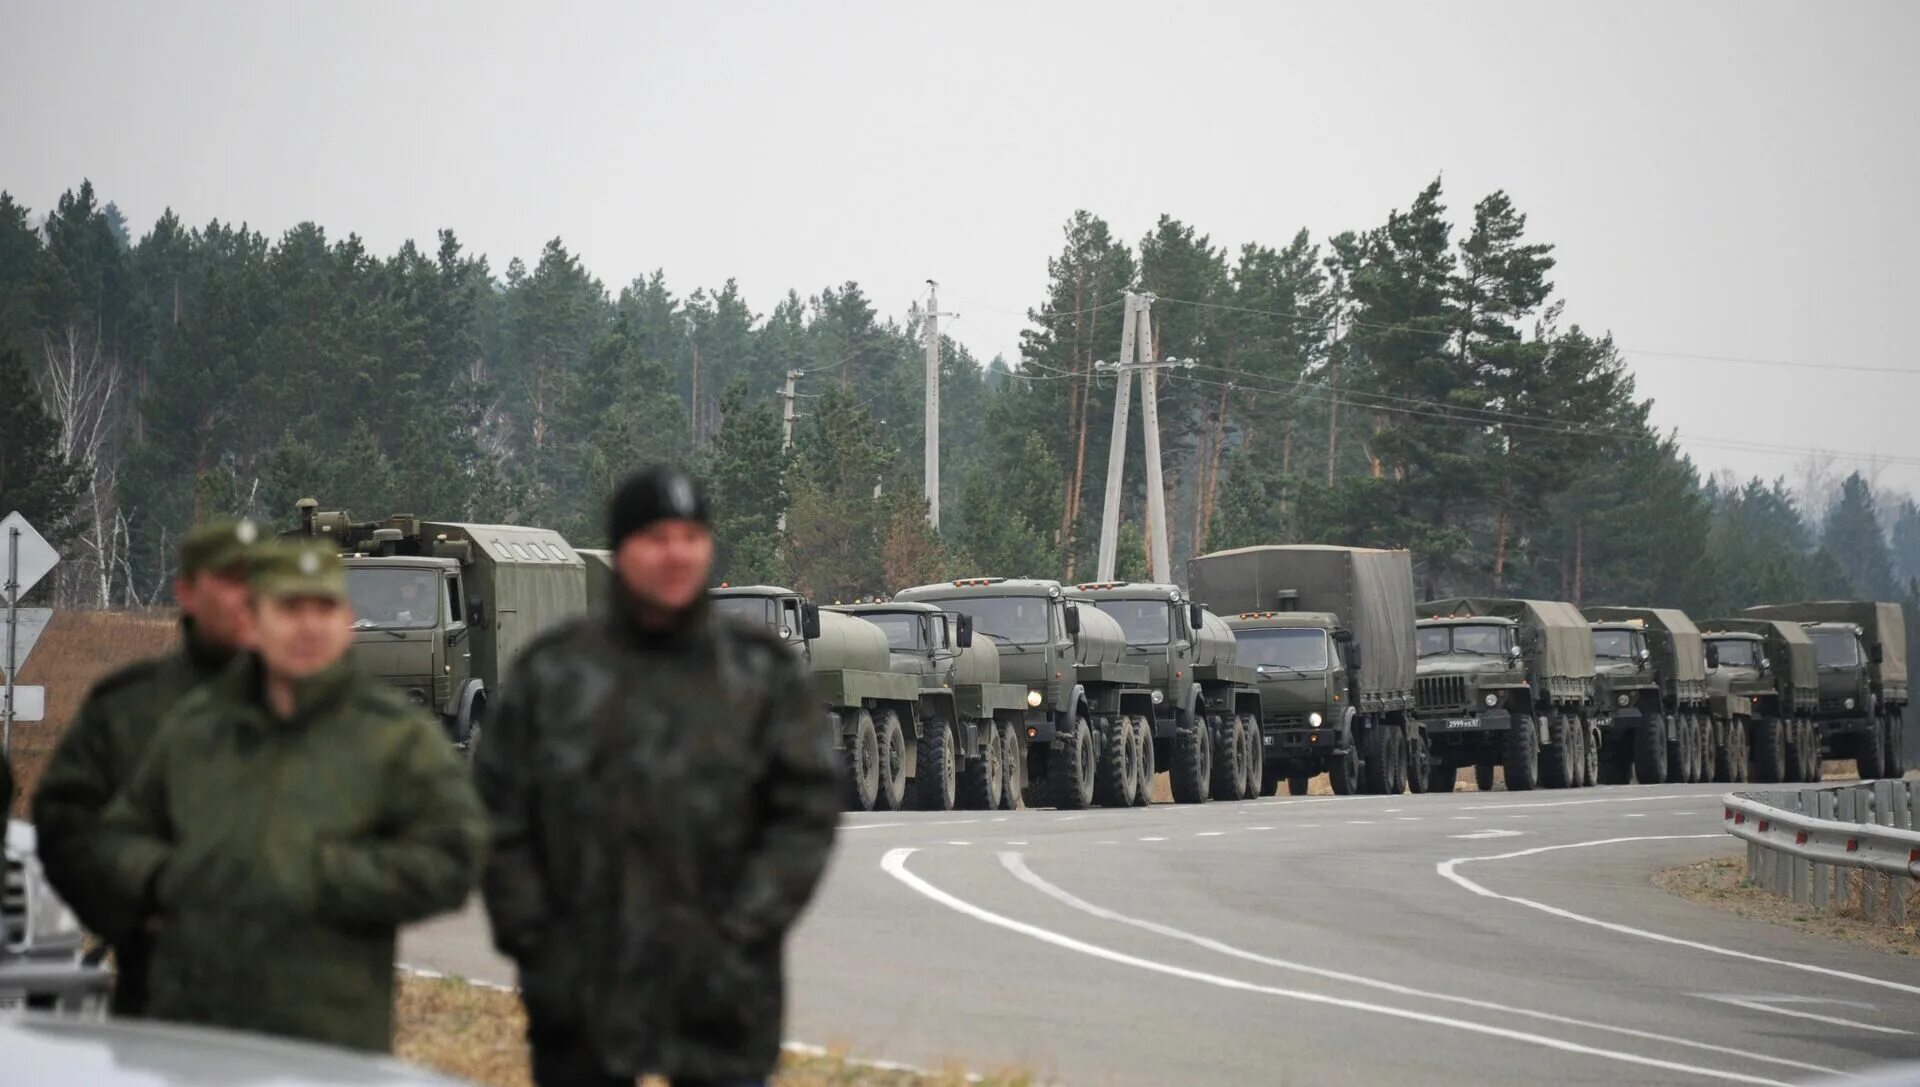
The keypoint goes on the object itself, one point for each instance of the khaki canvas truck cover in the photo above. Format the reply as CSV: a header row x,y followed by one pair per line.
x,y
1682,657
1881,624
599,576
1802,666
1565,637
531,579
1370,590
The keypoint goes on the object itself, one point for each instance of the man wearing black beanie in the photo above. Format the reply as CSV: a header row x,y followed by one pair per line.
x,y
664,799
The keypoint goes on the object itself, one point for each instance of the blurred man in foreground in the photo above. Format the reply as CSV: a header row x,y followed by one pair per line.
x,y
663,802
288,818
103,745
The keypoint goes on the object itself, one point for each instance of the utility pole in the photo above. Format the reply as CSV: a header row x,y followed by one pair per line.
x,y
932,409
1117,448
1157,528
1136,349
787,418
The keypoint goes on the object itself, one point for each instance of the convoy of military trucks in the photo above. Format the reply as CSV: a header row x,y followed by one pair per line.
x,y
1273,664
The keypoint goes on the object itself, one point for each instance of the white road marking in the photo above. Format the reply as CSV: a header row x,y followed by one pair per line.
x,y
1259,828
1446,869
1016,843
1635,815
959,843
1463,818
1772,1004
895,865
1153,839
1308,826
1359,822
1642,798
908,823
1683,813
1490,834
1409,819
1210,834
1016,864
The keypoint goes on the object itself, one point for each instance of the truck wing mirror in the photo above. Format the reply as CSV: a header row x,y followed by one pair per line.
x,y
1876,654
1343,635
1197,615
1646,655
1073,619
477,613
1713,656
963,631
1353,655
1766,665
810,621
1513,651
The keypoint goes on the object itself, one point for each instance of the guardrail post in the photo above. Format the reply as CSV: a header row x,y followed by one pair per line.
x,y
1823,808
1890,807
1847,811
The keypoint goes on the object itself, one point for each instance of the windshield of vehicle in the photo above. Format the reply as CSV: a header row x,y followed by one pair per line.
x,y
1300,650
1439,641
902,629
1736,652
1145,622
394,599
753,610
1836,649
1013,620
1613,644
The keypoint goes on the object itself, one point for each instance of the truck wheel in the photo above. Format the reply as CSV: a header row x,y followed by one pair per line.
x,y
1014,779
1523,755
1590,750
1343,772
1419,763
1144,765
1703,733
1811,746
1399,743
1680,766
985,774
936,777
1767,760
893,761
1558,768
1870,750
1192,768
1895,762
1374,775
1444,778
1298,784
1483,776
1796,744
1113,773
1743,762
1070,767
1616,759
863,764
1723,751
1650,751
1228,755
1256,756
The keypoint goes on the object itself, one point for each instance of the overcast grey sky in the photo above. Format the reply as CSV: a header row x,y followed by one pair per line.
x,y
1728,179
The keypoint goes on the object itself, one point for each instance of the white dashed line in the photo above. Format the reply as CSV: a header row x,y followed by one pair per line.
x,y
1409,819
1360,822
959,843
1634,815
1259,828
1153,839
1210,834
1016,843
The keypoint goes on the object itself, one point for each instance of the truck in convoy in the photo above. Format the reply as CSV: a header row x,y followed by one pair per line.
x,y
871,710
967,752
1088,711
1507,683
442,609
1860,648
1650,680
1189,654
1328,632
1763,671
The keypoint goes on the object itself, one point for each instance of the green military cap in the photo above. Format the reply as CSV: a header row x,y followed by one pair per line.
x,y
290,569
223,544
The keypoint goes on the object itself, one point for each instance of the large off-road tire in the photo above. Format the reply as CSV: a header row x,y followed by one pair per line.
x,y
1704,725
1071,766
1343,771
936,779
1650,751
1113,773
1895,761
1419,765
1870,750
1724,751
893,762
1228,755
1143,736
1376,760
1402,747
1559,765
986,774
1795,741
1591,743
1522,755
1443,778
1256,756
1192,771
1299,784
1689,750
1767,756
862,779
1483,776
1012,766
1677,757
1811,746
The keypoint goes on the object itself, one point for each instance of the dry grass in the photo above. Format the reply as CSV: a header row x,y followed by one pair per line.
x,y
477,1034
1722,883
75,651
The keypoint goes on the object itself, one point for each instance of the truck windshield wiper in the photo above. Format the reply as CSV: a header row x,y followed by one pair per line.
x,y
1002,640
1284,667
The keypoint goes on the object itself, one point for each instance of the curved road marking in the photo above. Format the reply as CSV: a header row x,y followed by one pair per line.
x,y
1641,798
1447,871
1017,864
895,865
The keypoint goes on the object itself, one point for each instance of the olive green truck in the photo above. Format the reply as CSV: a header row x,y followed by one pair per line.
x,y
1763,672
1860,647
1651,685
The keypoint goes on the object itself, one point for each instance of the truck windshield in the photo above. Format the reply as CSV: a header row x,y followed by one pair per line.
x,y
1735,652
902,630
1014,620
1836,648
1613,644
752,610
394,599
1440,641
1302,649
1145,622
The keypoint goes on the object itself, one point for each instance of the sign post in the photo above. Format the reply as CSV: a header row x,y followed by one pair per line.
x,y
28,558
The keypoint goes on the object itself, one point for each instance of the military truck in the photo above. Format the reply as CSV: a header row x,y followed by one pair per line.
x,y
1860,648
442,609
1507,682
1089,712
1764,670
599,566
1650,676
1189,654
1329,633
872,711
968,747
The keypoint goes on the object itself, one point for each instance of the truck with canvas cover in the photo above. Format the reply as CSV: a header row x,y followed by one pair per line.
x,y
871,710
1765,671
968,751
1071,659
443,608
1189,654
1329,633
1650,683
1507,682
599,565
1860,647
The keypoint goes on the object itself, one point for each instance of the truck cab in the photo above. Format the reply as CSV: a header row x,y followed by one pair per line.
x,y
1842,659
1300,659
410,626
1470,687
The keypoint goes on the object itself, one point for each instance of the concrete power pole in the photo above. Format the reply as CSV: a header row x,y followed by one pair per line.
x,y
1136,351
1157,528
932,411
787,418
1117,449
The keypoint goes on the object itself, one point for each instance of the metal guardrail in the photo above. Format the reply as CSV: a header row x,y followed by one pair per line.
x,y
1805,844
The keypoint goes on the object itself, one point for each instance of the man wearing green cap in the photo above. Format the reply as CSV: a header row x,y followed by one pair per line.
x,y
104,743
288,819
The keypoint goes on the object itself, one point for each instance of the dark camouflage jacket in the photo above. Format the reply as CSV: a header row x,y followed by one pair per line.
x,y
280,856
97,757
662,809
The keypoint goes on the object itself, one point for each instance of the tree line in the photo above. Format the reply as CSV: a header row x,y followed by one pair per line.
x,y
1414,384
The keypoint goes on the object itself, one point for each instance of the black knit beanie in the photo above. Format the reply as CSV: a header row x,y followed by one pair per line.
x,y
655,494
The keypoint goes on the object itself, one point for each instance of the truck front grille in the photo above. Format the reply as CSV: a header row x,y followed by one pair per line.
x,y
1440,692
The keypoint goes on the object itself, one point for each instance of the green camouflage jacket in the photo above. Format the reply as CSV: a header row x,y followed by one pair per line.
x,y
662,810
280,856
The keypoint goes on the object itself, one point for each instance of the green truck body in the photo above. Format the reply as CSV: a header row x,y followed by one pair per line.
x,y
1860,647
1651,681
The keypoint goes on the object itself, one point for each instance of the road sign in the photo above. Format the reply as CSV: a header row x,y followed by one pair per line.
x,y
28,624
28,703
36,555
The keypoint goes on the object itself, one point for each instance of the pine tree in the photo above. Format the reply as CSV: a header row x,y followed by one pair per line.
x,y
1851,536
35,480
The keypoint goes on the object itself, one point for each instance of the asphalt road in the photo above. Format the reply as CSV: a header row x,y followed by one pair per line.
x,y
1466,938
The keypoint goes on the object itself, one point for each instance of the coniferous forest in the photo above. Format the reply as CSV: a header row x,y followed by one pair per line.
x,y
1411,384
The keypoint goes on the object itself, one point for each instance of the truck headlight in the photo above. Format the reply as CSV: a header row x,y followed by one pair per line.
x,y
1849,703
1314,719
1159,697
1623,700
1492,700
1034,698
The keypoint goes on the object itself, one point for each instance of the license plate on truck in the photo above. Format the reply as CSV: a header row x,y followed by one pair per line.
x,y
1461,722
